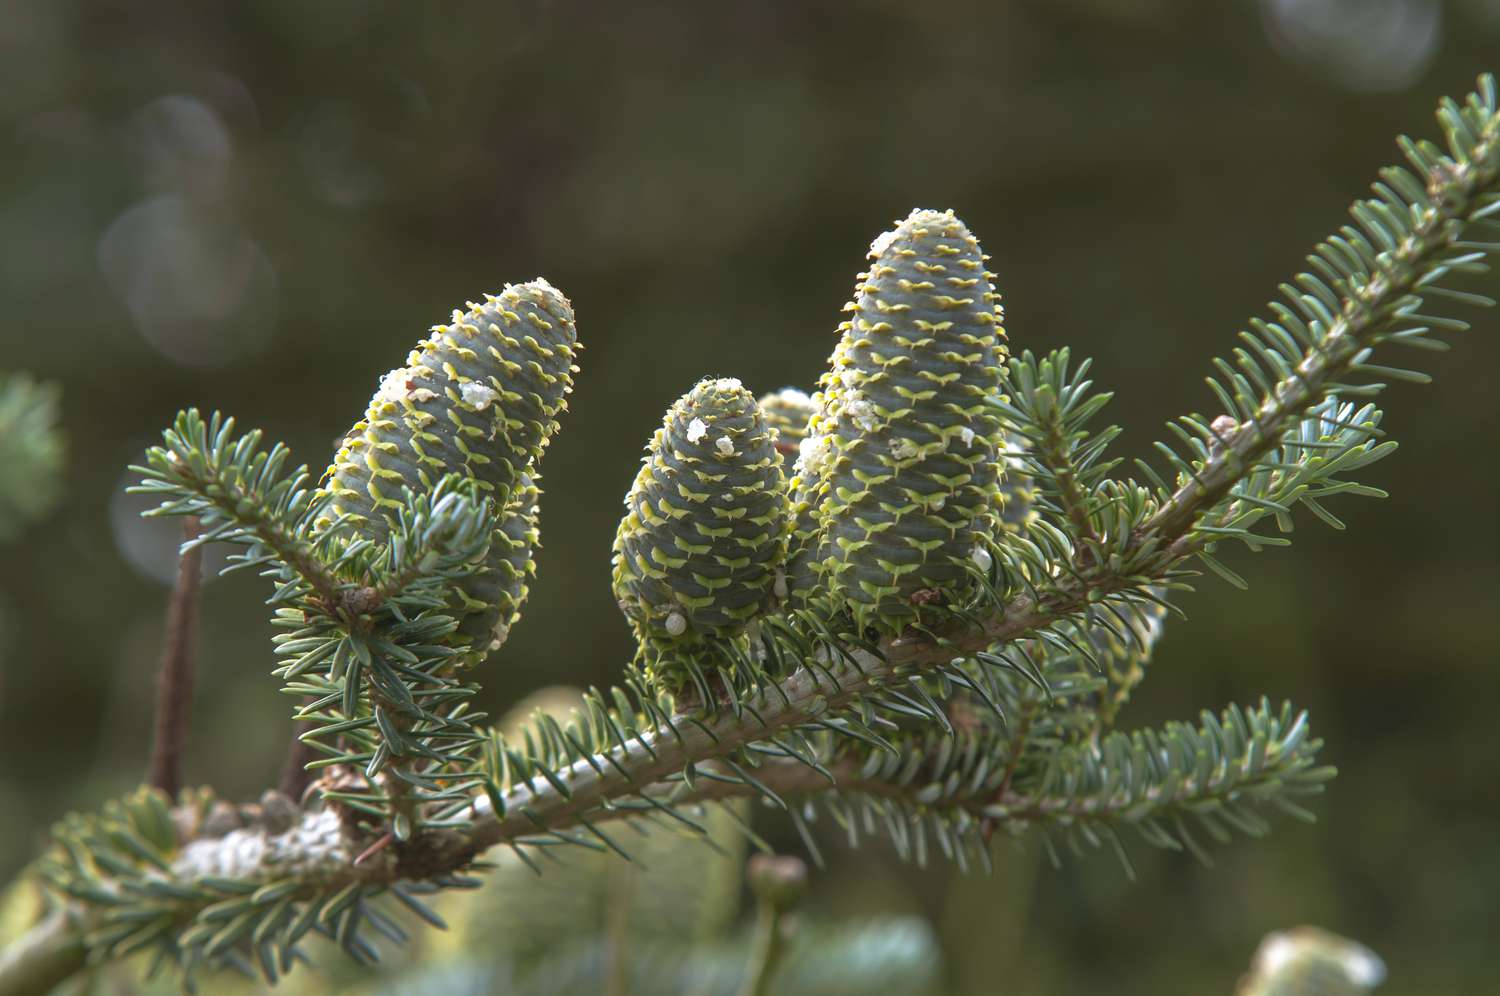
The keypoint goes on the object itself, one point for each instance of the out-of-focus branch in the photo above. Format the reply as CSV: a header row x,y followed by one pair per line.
x,y
43,958
778,883
174,684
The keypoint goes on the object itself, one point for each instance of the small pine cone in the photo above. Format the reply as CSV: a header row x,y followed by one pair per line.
x,y
479,396
494,596
787,412
908,463
704,533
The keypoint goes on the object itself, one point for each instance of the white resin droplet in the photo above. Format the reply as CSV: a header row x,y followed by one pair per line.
x,y
393,386
811,454
478,396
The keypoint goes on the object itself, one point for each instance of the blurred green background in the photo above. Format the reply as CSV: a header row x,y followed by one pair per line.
x,y
261,206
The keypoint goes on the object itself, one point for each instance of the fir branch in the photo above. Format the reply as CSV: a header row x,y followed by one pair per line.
x,y
435,541
1051,407
137,881
240,494
571,787
1218,774
813,694
551,800
377,676
319,849
1368,290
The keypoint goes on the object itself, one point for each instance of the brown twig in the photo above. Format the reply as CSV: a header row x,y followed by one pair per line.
x,y
174,685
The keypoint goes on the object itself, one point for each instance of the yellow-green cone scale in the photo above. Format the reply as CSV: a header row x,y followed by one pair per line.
x,y
698,552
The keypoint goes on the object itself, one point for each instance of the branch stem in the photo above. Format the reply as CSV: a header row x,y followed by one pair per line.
x,y
766,955
1053,453
803,697
174,686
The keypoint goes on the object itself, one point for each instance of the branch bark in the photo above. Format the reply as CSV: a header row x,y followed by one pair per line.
x,y
174,685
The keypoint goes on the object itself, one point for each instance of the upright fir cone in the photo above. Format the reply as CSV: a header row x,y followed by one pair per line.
x,y
903,461
698,552
480,397
787,412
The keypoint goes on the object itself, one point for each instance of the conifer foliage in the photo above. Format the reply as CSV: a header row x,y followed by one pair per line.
x,y
31,451
926,628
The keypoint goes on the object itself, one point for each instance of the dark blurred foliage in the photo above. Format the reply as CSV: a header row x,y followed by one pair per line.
x,y
261,206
